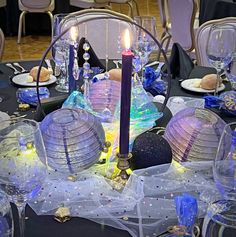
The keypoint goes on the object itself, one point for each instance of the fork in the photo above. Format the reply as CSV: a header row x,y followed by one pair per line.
x,y
117,62
18,65
12,67
48,62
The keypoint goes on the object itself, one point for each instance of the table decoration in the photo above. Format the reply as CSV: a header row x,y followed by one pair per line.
x,y
146,205
126,77
6,218
22,163
186,210
74,139
152,82
146,153
177,103
226,102
73,68
4,120
194,134
104,97
91,195
29,95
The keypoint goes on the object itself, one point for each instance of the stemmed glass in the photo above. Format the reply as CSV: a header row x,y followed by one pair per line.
x,y
231,72
6,219
143,44
60,54
223,211
22,163
220,47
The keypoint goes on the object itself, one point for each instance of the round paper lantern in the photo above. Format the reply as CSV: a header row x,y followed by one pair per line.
x,y
194,134
104,96
150,149
73,139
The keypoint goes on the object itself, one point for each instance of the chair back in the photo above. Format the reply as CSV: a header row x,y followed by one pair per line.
x,y
202,35
104,35
3,3
182,16
2,42
36,5
163,13
89,3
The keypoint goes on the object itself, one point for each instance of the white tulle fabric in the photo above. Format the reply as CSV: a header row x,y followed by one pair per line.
x,y
144,207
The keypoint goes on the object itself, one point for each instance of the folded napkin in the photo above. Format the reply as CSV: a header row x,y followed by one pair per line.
x,y
93,60
181,64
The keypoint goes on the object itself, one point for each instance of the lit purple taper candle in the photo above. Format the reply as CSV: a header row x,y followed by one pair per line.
x,y
127,57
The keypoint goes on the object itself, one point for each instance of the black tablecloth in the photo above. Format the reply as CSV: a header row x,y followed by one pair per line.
x,y
46,226
216,9
8,89
35,23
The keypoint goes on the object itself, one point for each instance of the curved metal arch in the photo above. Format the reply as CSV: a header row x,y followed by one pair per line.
x,y
103,18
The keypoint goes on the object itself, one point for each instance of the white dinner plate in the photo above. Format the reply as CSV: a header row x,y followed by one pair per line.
x,y
192,85
21,79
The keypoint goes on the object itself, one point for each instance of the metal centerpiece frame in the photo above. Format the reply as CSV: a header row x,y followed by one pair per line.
x,y
123,164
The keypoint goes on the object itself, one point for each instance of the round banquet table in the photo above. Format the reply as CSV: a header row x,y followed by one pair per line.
x,y
10,105
216,9
46,226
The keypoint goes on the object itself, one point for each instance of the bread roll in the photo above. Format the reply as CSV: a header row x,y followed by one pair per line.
x,y
44,74
115,74
209,82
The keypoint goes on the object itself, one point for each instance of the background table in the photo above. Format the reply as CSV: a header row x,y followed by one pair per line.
x,y
216,9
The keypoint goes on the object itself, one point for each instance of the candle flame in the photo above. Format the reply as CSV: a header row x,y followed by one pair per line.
x,y
127,39
74,33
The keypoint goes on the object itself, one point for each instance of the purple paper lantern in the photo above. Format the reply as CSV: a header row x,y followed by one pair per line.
x,y
194,134
104,96
73,138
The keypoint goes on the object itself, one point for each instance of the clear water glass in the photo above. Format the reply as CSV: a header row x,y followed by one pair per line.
x,y
224,168
221,45
223,211
60,54
6,218
231,72
22,163
148,23
143,44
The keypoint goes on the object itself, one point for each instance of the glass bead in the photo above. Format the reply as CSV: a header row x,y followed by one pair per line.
x,y
86,66
137,64
86,46
106,113
86,56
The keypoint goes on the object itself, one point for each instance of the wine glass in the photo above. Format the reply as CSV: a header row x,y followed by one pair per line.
x,y
231,72
143,45
60,54
22,163
223,211
6,219
220,47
